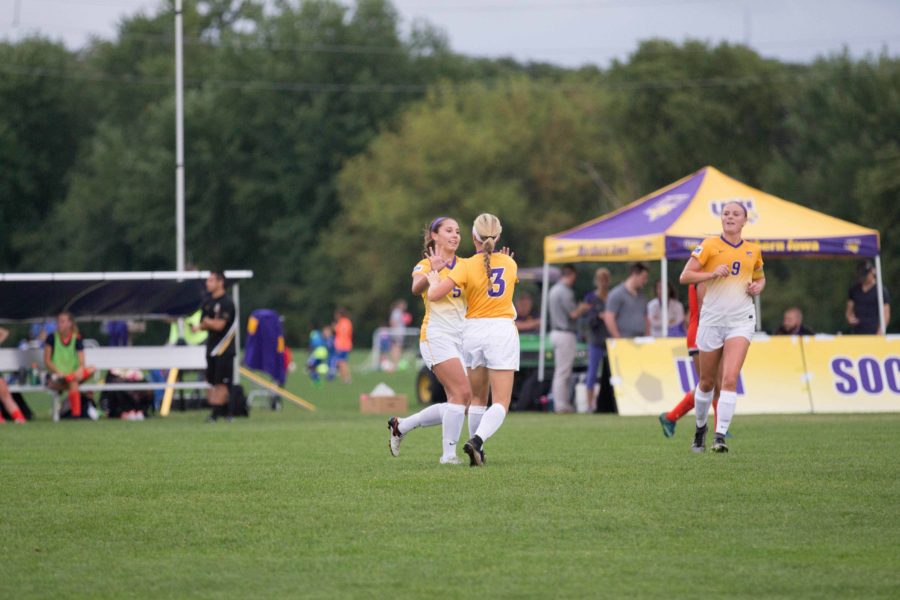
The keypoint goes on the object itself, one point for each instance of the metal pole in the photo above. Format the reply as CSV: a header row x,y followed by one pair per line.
x,y
879,289
237,334
179,140
757,302
664,284
541,346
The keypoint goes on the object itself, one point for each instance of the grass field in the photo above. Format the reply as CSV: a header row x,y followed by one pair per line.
x,y
299,504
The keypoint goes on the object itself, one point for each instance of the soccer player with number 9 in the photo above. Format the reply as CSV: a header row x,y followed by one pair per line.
x,y
732,269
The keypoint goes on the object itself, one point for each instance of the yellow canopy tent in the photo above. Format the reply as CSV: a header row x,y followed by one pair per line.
x,y
670,222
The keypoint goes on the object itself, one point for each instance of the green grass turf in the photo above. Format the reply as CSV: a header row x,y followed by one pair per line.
x,y
299,504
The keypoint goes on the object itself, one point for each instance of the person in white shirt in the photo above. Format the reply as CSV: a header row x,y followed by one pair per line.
x,y
676,314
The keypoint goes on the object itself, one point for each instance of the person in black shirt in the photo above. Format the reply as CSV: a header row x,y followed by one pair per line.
x,y
219,320
792,323
862,303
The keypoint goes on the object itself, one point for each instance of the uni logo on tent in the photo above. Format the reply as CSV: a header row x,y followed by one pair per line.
x,y
852,246
716,206
665,205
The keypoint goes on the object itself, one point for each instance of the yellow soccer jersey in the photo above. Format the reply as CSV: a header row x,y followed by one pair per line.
x,y
726,301
449,312
487,298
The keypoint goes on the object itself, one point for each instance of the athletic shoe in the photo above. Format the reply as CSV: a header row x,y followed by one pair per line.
x,y
699,444
473,449
92,412
667,425
396,436
450,460
719,444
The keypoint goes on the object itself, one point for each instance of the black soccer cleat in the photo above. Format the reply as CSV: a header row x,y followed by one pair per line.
x,y
719,444
473,449
699,445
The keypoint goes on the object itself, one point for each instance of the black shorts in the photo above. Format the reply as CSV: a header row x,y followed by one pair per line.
x,y
219,370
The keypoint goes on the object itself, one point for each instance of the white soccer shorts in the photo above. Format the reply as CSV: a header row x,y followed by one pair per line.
x,y
712,337
491,343
441,346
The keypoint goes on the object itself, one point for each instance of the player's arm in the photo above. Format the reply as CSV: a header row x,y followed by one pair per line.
x,y
887,316
757,286
437,287
81,359
4,333
48,354
693,272
757,279
419,284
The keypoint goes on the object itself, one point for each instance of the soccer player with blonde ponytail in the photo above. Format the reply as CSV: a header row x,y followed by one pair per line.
x,y
490,338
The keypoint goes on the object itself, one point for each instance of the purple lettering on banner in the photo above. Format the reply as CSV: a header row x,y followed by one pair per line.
x,y
892,374
870,375
688,377
848,385
682,375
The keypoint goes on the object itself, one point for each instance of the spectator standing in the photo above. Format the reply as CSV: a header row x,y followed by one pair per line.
x,y
792,323
343,343
862,303
398,321
563,314
626,307
676,314
596,333
526,320
64,359
220,322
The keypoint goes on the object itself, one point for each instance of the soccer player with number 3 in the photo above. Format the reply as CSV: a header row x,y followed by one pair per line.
x,y
732,269
490,339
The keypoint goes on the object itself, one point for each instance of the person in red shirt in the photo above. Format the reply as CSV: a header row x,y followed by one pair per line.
x,y
343,342
669,419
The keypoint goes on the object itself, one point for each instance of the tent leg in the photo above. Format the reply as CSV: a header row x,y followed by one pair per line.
x,y
544,293
757,301
879,287
664,285
237,334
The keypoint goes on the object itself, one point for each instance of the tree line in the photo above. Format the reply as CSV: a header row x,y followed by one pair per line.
x,y
321,139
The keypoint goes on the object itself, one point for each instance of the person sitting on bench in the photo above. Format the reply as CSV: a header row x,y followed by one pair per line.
x,y
64,359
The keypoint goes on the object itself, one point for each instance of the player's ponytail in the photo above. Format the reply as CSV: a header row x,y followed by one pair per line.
x,y
486,230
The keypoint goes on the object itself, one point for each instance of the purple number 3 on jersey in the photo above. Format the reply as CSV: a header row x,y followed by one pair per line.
x,y
498,286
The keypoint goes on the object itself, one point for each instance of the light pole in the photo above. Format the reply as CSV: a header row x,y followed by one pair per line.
x,y
179,140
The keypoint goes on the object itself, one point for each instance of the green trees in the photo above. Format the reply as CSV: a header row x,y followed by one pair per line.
x,y
320,139
524,150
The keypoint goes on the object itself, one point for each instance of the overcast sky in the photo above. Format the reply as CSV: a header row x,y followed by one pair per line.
x,y
566,32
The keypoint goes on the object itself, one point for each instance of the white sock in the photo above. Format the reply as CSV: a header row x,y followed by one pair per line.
x,y
702,402
475,414
725,412
454,415
491,422
426,417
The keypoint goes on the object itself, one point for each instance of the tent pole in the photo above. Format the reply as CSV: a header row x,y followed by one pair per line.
x,y
543,336
757,301
237,334
879,289
664,286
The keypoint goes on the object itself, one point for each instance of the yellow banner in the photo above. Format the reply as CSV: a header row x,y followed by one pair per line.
x,y
558,250
854,373
651,376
